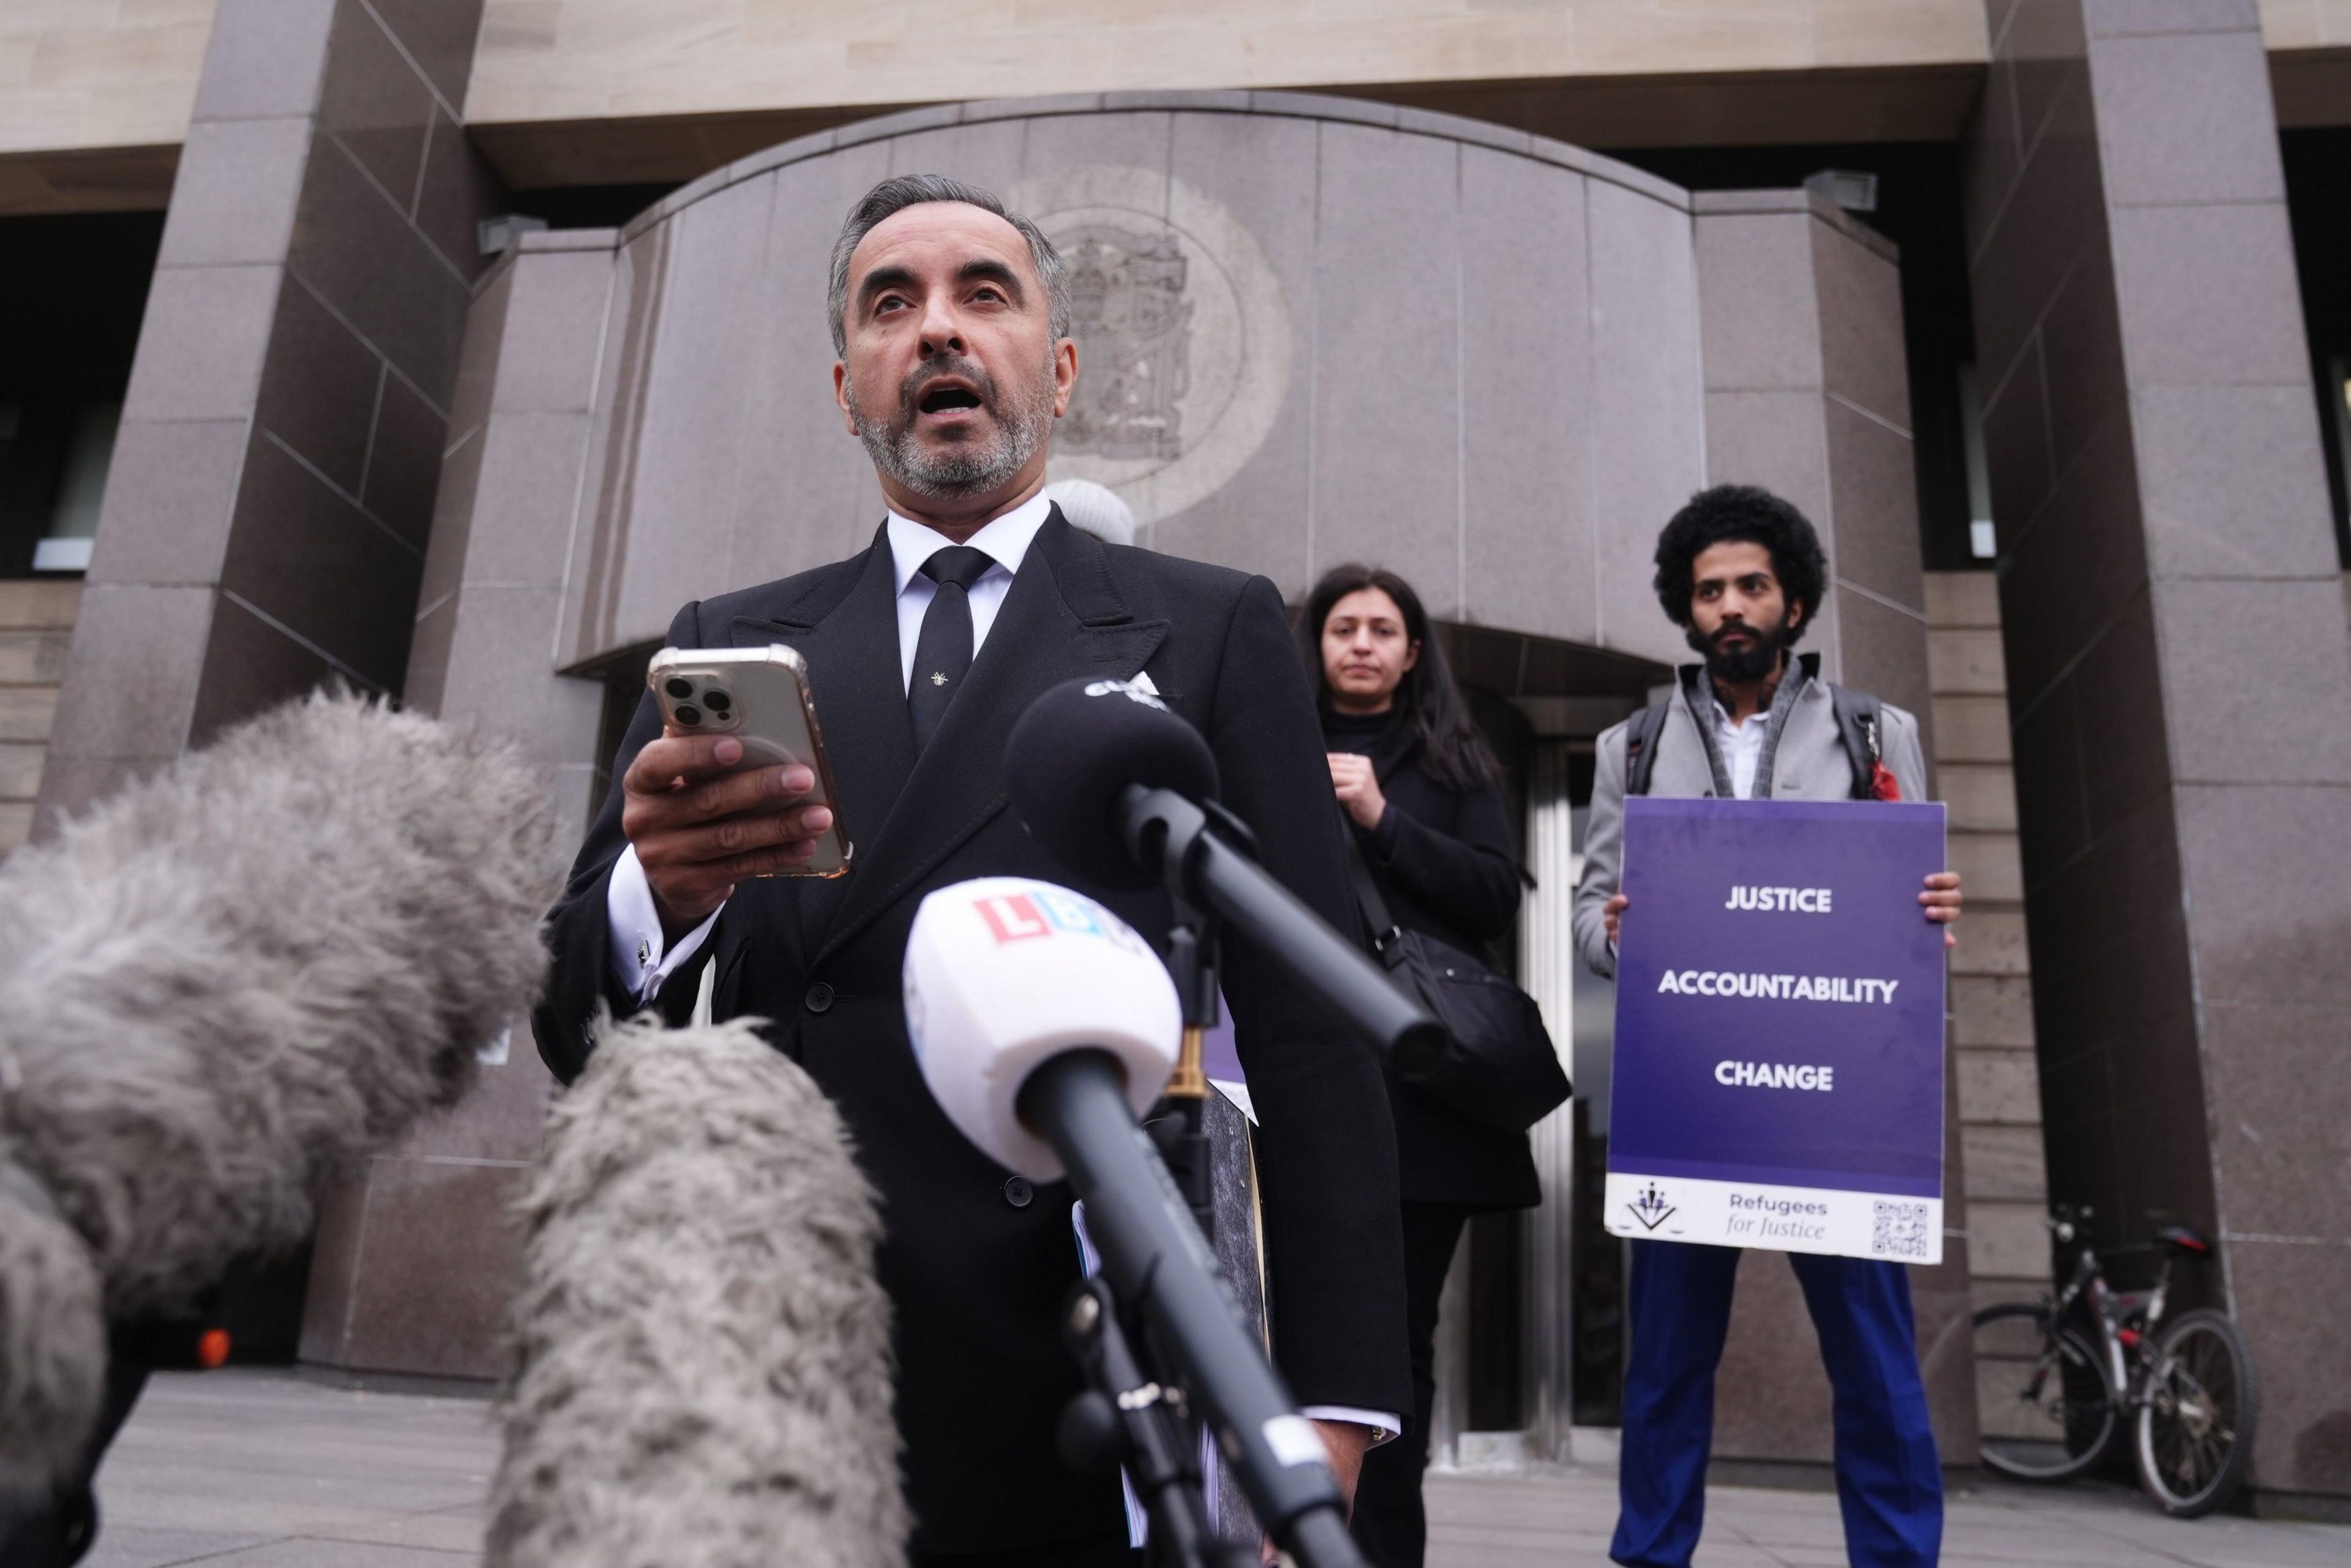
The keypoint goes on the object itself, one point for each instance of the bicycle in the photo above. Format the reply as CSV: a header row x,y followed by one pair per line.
x,y
2072,1378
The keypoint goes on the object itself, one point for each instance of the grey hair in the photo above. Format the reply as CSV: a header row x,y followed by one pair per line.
x,y
900,192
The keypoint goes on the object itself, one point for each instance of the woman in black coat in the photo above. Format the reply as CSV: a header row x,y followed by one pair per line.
x,y
1422,791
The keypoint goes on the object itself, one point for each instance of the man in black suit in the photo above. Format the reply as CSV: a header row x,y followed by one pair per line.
x,y
951,318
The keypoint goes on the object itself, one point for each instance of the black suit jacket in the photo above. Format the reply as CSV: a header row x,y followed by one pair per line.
x,y
1447,865
976,1275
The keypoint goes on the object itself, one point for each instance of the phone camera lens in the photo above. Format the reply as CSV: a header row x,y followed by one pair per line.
x,y
688,713
718,702
679,689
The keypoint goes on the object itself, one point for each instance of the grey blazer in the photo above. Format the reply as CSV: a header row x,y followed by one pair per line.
x,y
1806,761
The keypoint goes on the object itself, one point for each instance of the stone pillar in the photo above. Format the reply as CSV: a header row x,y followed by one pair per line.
x,y
1807,393
2178,663
416,1255
265,519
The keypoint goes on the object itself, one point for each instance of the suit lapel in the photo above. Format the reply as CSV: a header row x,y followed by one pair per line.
x,y
1061,619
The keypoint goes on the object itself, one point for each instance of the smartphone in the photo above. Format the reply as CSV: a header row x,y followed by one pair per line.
x,y
760,696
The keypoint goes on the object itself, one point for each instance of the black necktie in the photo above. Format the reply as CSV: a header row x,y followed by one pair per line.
x,y
943,651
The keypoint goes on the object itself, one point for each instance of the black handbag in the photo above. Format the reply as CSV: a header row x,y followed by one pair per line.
x,y
1495,1064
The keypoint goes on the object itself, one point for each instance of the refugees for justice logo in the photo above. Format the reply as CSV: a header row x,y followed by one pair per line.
x,y
1649,1207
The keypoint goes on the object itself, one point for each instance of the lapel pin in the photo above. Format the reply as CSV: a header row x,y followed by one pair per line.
x,y
937,679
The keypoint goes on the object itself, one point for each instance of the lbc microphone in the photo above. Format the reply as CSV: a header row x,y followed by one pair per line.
x,y
1045,1027
1001,975
702,1372
1121,791
272,957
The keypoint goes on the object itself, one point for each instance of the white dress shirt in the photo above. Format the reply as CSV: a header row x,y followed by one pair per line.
x,y
640,957
1741,745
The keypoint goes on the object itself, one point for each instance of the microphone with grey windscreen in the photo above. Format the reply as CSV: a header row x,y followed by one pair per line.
x,y
701,1351
271,958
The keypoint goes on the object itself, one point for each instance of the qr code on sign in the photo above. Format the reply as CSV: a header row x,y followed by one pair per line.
x,y
1900,1230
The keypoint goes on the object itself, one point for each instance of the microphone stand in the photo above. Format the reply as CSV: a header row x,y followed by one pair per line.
x,y
1129,1418
1177,1123
1193,1350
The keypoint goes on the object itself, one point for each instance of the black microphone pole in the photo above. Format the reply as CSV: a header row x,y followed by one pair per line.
x,y
1202,854
1155,1259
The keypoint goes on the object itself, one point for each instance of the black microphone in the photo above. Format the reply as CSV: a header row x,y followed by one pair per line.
x,y
1121,791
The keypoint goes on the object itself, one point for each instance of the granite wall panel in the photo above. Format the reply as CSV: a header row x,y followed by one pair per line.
x,y
1775,439
284,429
809,488
2181,851
2166,556
1526,532
689,443
1250,162
1380,329
1646,437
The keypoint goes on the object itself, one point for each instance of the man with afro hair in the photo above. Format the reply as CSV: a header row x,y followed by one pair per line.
x,y
1743,574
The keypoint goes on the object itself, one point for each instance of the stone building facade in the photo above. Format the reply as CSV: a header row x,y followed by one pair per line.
x,y
362,437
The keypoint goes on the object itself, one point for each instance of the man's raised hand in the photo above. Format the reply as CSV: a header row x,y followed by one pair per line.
x,y
699,826
1611,913
1943,900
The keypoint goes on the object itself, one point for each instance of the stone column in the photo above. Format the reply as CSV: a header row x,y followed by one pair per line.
x,y
265,519
416,1254
1807,393
2178,663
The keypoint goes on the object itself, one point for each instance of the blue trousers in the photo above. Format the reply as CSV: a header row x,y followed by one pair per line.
x,y
1889,1482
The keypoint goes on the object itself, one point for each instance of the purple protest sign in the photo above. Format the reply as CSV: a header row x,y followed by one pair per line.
x,y
1779,1065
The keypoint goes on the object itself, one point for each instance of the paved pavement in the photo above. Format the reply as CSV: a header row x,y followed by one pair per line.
x,y
263,1469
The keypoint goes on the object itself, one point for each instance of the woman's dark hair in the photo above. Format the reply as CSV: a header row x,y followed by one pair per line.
x,y
1755,516
1451,744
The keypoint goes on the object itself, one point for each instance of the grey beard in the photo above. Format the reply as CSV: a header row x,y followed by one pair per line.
x,y
961,470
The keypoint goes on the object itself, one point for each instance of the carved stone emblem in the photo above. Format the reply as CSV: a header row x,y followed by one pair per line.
x,y
1184,339
1133,327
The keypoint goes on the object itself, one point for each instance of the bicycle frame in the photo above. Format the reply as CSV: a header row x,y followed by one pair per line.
x,y
2185,1387
2127,1321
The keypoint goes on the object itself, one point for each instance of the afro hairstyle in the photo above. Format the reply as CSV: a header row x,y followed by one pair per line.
x,y
1751,513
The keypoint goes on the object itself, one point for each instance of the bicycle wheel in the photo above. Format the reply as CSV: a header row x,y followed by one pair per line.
x,y
2044,1405
2195,1428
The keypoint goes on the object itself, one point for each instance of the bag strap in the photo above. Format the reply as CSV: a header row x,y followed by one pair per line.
x,y
1383,924
1641,735
1859,726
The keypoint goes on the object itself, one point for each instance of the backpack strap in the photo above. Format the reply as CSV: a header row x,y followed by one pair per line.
x,y
1861,727
1641,735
